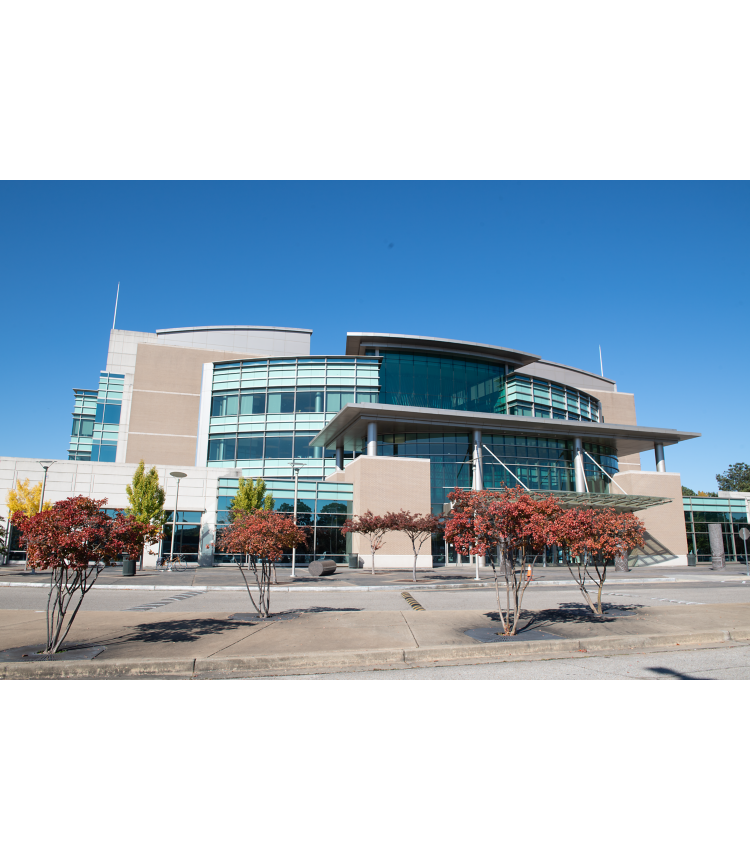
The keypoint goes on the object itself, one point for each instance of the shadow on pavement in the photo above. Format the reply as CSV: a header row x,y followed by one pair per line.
x,y
679,676
568,613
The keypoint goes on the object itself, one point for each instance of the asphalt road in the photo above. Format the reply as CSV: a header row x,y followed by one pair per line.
x,y
718,663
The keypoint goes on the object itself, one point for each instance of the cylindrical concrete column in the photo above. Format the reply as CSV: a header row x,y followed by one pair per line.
x,y
478,477
339,456
578,464
661,466
372,439
319,401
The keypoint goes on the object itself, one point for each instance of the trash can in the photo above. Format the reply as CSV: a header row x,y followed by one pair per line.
x,y
691,559
128,565
353,561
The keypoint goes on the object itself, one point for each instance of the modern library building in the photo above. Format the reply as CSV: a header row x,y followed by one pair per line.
x,y
395,421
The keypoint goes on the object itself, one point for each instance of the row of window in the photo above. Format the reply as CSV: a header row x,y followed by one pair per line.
x,y
268,446
288,401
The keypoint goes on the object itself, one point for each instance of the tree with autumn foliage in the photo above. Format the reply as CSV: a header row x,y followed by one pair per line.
x,y
594,537
371,526
417,527
25,498
73,538
514,522
259,538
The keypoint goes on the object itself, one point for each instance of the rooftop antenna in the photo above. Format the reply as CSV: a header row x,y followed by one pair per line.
x,y
601,366
117,298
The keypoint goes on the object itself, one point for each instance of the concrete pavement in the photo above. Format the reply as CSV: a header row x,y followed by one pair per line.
x,y
185,644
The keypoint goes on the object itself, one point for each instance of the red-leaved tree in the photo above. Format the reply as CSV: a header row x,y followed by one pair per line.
x,y
74,538
594,537
373,527
512,522
261,537
417,527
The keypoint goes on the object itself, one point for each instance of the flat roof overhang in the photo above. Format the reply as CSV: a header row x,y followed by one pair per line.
x,y
356,342
350,425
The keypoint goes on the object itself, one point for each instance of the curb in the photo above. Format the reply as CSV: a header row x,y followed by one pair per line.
x,y
347,588
333,661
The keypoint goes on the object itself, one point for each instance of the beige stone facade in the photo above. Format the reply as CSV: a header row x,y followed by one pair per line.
x,y
382,484
164,411
619,408
666,541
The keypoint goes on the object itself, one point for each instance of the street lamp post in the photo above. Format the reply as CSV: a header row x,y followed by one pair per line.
x,y
45,464
295,467
177,475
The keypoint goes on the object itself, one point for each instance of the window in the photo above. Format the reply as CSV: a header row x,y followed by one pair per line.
x,y
224,404
250,447
104,453
302,447
83,427
221,448
253,404
309,400
278,447
281,401
107,413
337,398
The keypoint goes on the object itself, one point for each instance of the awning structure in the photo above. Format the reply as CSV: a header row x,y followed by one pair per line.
x,y
620,502
349,427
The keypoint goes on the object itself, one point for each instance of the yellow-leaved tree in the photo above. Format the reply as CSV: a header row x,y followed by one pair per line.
x,y
25,498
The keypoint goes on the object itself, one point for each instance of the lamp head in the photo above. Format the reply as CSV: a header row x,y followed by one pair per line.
x,y
45,464
178,474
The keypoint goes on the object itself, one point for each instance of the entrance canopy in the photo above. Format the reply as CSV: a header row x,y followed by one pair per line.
x,y
349,426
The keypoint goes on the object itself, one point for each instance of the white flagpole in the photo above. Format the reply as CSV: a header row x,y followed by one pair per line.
x,y
601,366
116,300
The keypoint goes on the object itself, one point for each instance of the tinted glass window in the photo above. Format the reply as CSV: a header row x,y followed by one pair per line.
x,y
281,401
250,447
309,400
278,447
253,404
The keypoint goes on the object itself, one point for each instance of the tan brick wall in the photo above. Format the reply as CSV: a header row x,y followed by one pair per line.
x,y
665,523
166,402
176,450
383,484
619,408
167,368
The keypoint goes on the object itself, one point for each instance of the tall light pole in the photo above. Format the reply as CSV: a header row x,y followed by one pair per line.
x,y
177,475
295,467
45,464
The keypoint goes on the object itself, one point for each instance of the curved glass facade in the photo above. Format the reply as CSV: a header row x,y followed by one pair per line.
x,y
446,382
265,412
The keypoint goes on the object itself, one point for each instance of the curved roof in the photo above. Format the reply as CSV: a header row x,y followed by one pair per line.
x,y
356,342
231,328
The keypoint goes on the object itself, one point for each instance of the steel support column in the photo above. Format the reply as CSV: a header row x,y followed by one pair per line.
x,y
580,475
661,466
372,439
478,477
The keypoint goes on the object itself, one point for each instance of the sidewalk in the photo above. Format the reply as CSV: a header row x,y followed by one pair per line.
x,y
189,645
220,579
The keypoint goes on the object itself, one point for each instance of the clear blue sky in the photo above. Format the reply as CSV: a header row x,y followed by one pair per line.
x,y
657,273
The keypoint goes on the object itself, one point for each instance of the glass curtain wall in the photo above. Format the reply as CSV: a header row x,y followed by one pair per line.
x,y
442,382
731,513
187,535
96,420
266,412
321,508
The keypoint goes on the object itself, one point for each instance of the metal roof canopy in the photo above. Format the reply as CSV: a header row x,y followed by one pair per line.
x,y
619,501
357,341
350,425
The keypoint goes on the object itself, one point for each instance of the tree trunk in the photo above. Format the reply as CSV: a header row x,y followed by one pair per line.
x,y
372,571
